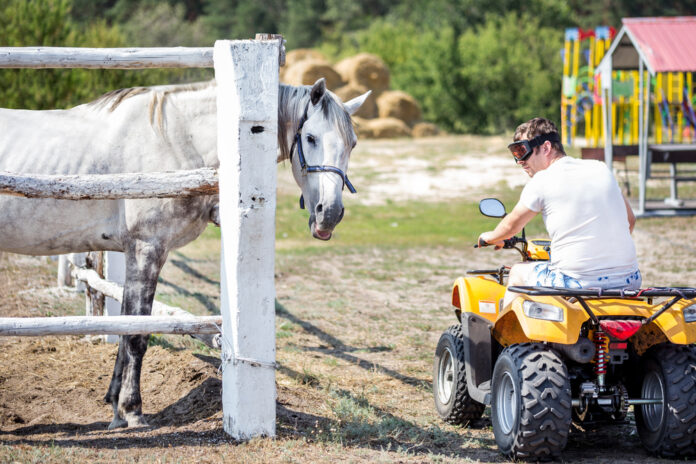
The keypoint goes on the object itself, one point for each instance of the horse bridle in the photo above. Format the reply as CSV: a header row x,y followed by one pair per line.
x,y
315,168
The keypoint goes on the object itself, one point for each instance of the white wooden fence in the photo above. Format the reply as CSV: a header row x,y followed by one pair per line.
x,y
246,72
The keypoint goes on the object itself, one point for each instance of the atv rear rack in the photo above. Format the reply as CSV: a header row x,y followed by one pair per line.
x,y
677,293
682,292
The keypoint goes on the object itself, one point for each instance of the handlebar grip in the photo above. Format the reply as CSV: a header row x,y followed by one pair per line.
x,y
481,243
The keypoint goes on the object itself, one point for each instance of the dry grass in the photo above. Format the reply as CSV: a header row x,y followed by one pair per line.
x,y
356,322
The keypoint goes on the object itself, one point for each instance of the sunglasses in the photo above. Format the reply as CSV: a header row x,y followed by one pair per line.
x,y
522,149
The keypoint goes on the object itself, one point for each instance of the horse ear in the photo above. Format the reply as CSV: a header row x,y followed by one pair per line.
x,y
318,90
353,105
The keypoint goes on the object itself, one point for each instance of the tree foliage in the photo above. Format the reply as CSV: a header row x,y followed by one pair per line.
x,y
474,65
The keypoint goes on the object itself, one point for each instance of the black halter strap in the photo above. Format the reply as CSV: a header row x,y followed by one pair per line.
x,y
314,168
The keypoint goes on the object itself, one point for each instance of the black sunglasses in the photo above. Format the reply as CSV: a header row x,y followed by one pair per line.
x,y
522,149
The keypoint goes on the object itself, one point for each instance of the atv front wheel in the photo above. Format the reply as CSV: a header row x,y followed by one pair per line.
x,y
668,429
531,402
452,400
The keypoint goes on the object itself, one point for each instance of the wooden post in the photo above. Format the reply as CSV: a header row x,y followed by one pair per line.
x,y
95,299
114,271
247,78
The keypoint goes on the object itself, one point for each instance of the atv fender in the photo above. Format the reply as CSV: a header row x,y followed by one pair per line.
x,y
513,326
478,295
478,356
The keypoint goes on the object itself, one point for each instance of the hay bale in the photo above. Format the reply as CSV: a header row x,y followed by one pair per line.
x,y
301,54
425,129
399,105
383,128
369,107
366,70
306,72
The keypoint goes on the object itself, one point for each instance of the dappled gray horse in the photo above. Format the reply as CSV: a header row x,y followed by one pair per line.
x,y
156,129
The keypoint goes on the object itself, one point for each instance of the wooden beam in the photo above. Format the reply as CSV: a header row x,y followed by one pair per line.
x,y
106,58
246,73
172,184
116,325
115,291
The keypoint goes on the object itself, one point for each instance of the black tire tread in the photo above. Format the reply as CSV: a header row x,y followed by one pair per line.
x,y
465,408
545,402
679,365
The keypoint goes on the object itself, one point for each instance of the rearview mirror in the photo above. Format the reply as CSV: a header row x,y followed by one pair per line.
x,y
492,207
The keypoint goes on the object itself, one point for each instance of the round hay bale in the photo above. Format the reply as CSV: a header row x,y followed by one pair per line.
x,y
383,128
301,54
425,129
306,72
369,107
399,105
366,70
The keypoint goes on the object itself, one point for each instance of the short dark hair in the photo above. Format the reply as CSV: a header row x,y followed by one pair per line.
x,y
538,126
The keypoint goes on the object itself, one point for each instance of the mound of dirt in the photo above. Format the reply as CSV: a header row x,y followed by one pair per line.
x,y
306,72
365,70
399,105
59,380
369,107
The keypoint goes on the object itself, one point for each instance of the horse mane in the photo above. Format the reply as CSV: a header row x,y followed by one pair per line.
x,y
111,100
292,102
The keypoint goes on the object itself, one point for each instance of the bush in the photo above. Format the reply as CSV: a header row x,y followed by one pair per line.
x,y
511,72
48,23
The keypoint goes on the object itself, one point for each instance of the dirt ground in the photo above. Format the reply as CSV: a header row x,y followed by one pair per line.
x,y
356,335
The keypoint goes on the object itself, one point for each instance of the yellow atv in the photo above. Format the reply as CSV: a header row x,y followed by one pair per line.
x,y
557,355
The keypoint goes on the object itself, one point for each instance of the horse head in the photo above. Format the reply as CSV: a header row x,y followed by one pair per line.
x,y
320,151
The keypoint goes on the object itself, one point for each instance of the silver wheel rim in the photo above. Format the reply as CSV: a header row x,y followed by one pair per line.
x,y
506,400
653,389
445,377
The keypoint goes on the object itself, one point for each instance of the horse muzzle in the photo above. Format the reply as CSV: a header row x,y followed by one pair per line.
x,y
324,220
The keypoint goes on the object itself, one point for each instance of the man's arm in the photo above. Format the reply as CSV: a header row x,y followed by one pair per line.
x,y
631,216
509,225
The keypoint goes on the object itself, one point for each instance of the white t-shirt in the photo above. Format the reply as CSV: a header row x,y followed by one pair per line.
x,y
585,215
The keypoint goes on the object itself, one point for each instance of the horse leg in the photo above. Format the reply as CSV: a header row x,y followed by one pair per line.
x,y
143,264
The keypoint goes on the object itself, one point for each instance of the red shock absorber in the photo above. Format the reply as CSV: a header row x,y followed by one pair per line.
x,y
600,339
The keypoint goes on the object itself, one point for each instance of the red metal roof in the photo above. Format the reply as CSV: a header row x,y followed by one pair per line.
x,y
668,44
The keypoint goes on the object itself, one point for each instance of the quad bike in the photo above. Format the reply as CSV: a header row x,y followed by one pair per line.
x,y
557,355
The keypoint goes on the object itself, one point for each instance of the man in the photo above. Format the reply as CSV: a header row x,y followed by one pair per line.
x,y
586,215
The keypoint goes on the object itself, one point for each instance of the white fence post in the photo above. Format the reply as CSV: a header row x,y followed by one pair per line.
x,y
114,271
247,78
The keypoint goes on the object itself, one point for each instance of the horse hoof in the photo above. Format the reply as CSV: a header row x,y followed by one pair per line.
x,y
117,423
136,421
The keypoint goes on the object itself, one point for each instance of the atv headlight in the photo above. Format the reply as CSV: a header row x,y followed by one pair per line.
x,y
547,312
689,313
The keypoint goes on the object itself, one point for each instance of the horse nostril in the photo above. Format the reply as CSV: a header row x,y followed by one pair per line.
x,y
319,208
343,210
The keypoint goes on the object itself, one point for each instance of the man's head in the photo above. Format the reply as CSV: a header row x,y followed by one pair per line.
x,y
541,145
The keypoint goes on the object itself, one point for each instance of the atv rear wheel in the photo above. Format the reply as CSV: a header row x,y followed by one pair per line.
x,y
452,400
531,402
668,429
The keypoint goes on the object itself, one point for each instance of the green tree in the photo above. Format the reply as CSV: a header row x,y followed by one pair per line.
x,y
49,23
511,71
238,19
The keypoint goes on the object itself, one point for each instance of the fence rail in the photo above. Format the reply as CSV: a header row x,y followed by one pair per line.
x,y
112,325
106,58
203,181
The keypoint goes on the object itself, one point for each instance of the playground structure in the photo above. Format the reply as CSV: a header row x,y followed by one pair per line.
x,y
582,102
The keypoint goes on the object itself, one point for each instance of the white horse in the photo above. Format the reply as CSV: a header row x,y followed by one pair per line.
x,y
156,129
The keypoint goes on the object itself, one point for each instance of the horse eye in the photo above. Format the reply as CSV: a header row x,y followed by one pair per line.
x,y
311,139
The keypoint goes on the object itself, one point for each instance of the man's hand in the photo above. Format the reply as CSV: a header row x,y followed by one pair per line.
x,y
486,238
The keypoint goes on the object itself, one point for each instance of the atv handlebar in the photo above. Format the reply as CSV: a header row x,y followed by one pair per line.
x,y
507,243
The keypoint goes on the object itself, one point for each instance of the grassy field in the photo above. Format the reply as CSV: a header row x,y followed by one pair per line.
x,y
357,322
